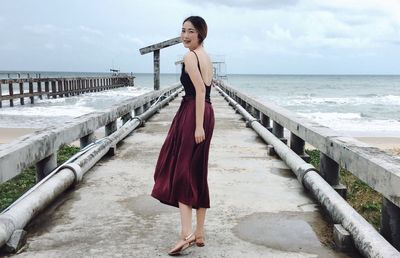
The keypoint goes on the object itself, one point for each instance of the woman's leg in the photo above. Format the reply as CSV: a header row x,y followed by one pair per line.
x,y
201,217
186,230
186,219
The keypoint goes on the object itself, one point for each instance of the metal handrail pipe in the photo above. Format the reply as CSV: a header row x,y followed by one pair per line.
x,y
18,216
366,239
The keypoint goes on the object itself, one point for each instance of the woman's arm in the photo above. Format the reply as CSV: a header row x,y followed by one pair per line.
x,y
194,74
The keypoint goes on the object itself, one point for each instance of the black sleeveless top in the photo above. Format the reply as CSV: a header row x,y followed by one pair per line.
x,y
188,84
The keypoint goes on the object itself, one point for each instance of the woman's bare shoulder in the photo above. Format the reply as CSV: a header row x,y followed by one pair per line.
x,y
190,59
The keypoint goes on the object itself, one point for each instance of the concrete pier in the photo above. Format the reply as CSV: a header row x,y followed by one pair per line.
x,y
258,208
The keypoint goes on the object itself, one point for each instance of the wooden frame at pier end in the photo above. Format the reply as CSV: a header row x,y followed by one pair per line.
x,y
156,56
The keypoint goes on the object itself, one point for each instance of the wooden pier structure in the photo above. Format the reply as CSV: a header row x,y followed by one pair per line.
x,y
266,199
29,88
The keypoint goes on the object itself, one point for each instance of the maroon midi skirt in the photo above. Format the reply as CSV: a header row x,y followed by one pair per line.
x,y
182,166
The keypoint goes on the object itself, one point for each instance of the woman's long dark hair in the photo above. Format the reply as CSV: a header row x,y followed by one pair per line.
x,y
200,25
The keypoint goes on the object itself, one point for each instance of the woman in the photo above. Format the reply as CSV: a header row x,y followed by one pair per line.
x,y
181,171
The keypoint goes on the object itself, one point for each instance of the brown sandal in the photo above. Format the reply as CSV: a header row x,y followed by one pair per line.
x,y
186,243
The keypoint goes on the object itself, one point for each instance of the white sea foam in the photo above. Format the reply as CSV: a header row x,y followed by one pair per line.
x,y
311,101
355,124
48,112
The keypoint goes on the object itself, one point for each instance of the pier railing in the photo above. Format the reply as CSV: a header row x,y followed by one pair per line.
x,y
40,148
373,166
21,88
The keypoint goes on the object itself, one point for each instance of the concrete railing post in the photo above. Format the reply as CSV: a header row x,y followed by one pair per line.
x,y
265,121
329,170
146,106
86,140
390,222
256,113
277,130
297,145
138,110
45,166
126,117
110,129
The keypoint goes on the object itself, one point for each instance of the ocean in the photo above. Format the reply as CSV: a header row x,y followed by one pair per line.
x,y
356,105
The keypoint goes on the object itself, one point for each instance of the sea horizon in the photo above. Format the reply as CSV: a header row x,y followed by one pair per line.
x,y
256,74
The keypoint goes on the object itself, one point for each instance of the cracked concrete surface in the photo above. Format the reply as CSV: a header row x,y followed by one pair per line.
x,y
258,208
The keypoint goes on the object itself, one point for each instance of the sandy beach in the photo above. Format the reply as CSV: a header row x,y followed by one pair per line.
x,y
10,134
390,144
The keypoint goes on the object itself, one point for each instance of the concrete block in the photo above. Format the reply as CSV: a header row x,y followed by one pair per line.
x,y
305,157
16,241
341,190
271,150
284,140
112,151
342,238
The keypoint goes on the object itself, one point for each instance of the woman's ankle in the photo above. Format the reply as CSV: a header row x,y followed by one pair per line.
x,y
199,232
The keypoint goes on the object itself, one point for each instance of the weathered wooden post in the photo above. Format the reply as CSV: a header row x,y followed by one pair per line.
x,y
156,56
53,89
11,93
60,88
46,88
21,91
32,97
156,60
1,94
39,89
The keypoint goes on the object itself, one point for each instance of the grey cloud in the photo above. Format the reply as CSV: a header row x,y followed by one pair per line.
x,y
249,4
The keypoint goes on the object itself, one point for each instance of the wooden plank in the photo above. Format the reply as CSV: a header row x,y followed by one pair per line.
x,y
160,45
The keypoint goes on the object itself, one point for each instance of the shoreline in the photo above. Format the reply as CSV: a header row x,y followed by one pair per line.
x,y
8,135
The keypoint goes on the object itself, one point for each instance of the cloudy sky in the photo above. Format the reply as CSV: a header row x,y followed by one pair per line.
x,y
253,37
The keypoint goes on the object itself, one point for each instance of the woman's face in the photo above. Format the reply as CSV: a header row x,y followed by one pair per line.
x,y
189,36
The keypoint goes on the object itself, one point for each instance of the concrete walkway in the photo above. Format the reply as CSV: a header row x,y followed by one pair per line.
x,y
258,208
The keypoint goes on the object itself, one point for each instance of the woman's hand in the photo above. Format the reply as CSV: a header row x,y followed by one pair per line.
x,y
199,135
